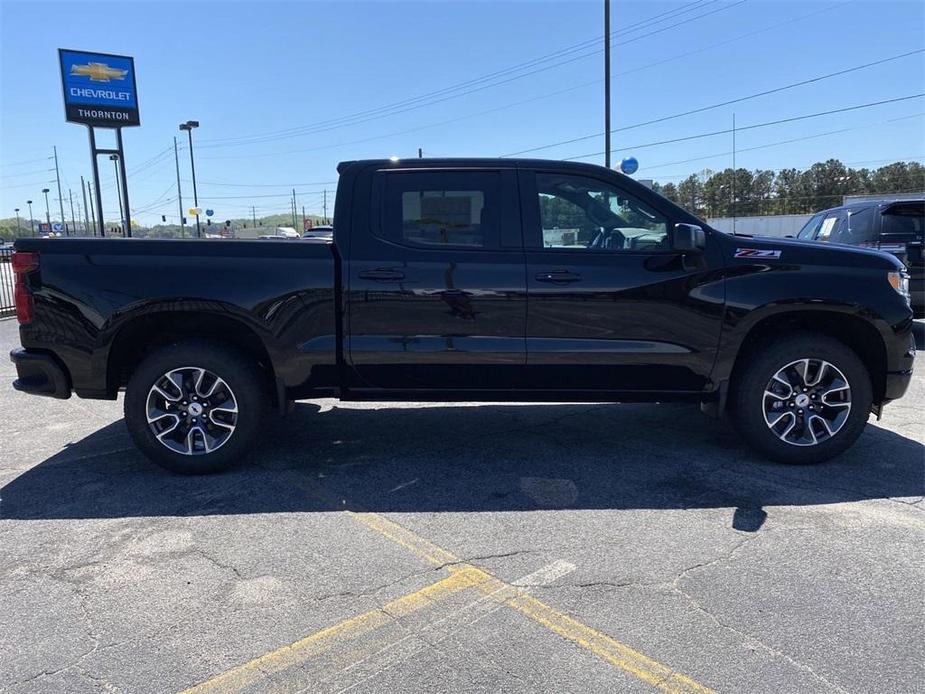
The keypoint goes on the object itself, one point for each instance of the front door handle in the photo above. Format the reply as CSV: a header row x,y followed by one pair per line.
x,y
382,274
557,276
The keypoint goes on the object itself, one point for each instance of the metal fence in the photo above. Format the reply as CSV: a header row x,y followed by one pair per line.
x,y
7,304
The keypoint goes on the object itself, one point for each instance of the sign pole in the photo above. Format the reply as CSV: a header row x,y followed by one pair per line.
x,y
128,213
100,91
96,182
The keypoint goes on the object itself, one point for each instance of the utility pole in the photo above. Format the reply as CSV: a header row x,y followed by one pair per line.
x,y
293,208
254,213
93,210
83,191
176,160
420,153
303,218
60,197
733,172
70,197
607,83
325,203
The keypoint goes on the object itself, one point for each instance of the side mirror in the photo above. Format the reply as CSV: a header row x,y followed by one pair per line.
x,y
688,238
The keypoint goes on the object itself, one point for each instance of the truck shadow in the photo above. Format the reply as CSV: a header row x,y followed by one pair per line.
x,y
449,458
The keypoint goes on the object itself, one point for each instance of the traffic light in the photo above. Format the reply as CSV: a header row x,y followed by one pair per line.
x,y
164,218
208,222
227,223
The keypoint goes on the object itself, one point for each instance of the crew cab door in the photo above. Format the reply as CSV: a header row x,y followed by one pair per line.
x,y
436,295
611,306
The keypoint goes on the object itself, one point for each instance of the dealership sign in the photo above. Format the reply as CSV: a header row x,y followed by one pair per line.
x,y
99,89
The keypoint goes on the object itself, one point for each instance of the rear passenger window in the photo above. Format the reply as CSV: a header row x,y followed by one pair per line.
x,y
904,222
439,209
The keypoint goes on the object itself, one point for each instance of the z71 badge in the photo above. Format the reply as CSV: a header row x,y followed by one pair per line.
x,y
757,253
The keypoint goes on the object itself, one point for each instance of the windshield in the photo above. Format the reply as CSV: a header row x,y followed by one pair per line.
x,y
809,229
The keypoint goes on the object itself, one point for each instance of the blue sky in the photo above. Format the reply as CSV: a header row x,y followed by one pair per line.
x,y
255,73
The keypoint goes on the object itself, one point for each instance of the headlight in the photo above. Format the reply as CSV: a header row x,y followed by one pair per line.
x,y
900,282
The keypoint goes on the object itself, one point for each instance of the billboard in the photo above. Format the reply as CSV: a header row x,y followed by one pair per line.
x,y
99,89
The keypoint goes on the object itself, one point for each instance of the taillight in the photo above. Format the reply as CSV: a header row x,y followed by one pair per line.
x,y
23,263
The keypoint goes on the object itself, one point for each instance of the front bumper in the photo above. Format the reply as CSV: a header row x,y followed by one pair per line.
x,y
40,374
896,385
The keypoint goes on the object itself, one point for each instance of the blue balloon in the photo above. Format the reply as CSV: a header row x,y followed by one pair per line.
x,y
209,213
629,165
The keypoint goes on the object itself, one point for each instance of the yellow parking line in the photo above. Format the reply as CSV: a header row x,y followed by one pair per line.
x,y
606,647
462,576
603,646
251,672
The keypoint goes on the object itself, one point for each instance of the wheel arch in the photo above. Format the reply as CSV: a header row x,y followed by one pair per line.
x,y
142,334
857,333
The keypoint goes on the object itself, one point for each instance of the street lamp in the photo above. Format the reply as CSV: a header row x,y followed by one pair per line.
x,y
188,127
18,228
115,166
47,213
31,221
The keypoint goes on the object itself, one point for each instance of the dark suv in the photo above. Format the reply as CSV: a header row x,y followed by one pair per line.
x,y
895,226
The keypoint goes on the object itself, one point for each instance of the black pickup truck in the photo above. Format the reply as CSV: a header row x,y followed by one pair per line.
x,y
476,280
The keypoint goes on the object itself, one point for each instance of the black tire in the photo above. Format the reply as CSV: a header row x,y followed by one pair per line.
x,y
247,390
748,399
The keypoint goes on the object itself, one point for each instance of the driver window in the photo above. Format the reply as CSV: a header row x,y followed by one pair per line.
x,y
578,213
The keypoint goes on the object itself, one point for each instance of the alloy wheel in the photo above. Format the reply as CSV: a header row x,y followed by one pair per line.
x,y
191,411
807,402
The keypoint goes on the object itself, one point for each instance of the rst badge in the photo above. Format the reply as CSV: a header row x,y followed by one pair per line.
x,y
757,253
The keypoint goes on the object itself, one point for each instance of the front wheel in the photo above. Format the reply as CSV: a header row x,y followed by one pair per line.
x,y
803,399
195,407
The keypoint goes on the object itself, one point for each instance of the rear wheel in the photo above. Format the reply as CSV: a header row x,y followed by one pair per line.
x,y
802,399
195,407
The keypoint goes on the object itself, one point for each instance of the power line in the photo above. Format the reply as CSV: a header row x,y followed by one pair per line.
x,y
547,95
412,104
404,102
26,173
266,185
759,125
728,102
786,142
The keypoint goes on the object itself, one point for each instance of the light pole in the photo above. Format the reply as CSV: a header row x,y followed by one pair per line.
x,y
18,228
115,166
607,83
47,213
188,127
31,221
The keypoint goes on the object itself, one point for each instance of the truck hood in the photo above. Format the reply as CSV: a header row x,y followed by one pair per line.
x,y
769,249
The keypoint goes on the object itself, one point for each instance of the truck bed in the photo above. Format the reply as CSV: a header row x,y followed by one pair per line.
x,y
96,296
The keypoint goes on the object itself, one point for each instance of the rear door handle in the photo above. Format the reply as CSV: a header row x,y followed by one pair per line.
x,y
382,274
557,276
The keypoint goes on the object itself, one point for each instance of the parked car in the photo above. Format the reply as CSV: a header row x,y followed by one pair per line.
x,y
895,226
443,283
322,232
6,252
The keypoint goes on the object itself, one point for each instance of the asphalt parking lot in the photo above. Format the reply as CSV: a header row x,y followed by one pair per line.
x,y
443,547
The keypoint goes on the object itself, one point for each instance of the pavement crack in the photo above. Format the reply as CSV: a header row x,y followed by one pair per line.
x,y
227,567
750,638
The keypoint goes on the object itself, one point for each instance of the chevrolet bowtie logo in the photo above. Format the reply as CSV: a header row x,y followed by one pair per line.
x,y
99,72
